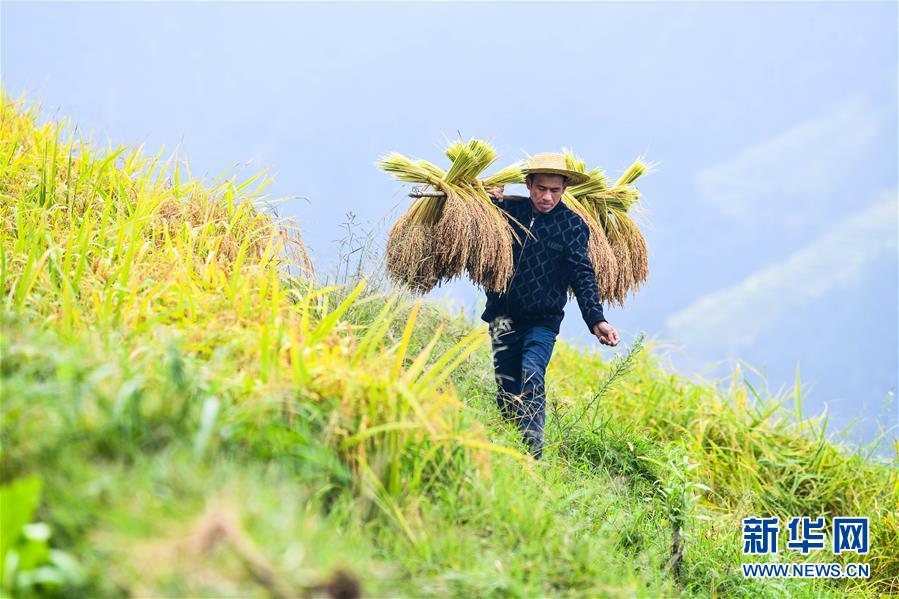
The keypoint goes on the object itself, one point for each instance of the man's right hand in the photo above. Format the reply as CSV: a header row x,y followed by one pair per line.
x,y
606,333
497,192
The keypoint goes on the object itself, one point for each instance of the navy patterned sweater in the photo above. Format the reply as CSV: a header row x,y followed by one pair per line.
x,y
545,266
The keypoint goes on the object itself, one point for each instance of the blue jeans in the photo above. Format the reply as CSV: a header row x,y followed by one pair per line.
x,y
520,358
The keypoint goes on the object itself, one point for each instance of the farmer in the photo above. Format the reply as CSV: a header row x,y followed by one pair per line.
x,y
525,319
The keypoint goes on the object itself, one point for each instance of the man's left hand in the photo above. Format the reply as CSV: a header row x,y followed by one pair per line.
x,y
606,333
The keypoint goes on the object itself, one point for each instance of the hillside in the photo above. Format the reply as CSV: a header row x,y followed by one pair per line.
x,y
187,412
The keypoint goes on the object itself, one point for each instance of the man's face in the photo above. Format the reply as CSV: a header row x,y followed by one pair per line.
x,y
546,191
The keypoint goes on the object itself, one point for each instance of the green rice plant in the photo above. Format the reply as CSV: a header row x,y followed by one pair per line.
x,y
125,258
113,245
205,422
755,456
109,246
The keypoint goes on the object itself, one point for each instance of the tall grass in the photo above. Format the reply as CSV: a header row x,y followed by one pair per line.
x,y
206,422
115,243
118,253
751,454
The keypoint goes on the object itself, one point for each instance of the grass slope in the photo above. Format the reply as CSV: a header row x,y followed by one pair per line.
x,y
181,416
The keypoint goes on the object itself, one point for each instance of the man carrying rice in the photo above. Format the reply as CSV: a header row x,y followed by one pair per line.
x,y
549,258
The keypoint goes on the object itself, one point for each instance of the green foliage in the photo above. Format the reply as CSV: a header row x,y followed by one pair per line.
x,y
28,565
189,418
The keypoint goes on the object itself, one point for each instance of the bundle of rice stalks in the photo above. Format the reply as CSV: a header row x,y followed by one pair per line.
x,y
441,237
617,247
605,263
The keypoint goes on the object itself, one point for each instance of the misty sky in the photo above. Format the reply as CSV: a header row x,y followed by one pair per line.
x,y
772,217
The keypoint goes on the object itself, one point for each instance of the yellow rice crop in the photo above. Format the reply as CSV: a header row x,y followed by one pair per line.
x,y
617,247
440,238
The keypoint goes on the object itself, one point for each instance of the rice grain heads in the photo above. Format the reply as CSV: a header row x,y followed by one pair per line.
x,y
440,238
617,247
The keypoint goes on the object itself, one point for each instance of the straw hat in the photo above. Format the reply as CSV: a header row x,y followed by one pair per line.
x,y
551,163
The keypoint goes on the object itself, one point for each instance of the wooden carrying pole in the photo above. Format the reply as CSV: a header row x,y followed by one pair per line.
x,y
440,194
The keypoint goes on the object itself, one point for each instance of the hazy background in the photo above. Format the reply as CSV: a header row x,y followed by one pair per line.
x,y
772,217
